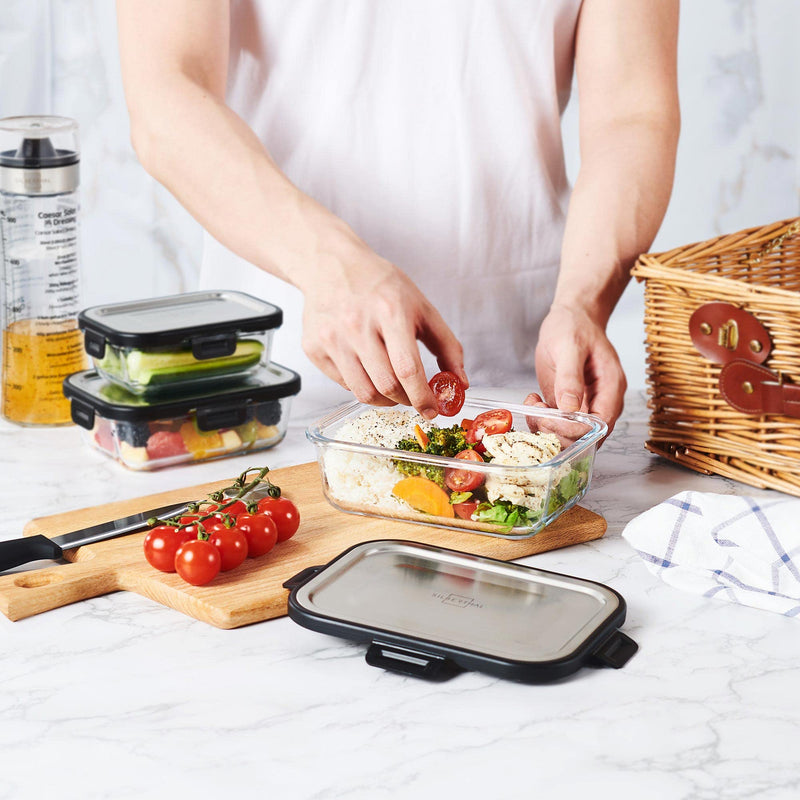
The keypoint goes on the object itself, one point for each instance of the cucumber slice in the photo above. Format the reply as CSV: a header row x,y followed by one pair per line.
x,y
173,366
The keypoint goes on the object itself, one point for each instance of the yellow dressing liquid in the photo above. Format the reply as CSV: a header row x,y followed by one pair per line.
x,y
37,355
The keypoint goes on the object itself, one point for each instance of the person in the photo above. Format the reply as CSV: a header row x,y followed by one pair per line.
x,y
393,175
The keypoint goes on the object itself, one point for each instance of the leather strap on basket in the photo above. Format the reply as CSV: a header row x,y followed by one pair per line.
x,y
728,335
724,333
753,389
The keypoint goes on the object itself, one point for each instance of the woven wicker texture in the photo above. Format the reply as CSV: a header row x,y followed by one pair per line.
x,y
758,270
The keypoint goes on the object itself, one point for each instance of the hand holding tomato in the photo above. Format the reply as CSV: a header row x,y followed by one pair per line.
x,y
362,321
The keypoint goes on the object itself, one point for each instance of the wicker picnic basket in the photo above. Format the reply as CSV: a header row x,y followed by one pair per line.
x,y
722,321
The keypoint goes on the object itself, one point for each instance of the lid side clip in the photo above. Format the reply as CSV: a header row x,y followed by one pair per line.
x,y
205,347
615,651
410,662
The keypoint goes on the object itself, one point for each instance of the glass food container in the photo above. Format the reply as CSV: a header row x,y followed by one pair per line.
x,y
507,496
146,435
181,342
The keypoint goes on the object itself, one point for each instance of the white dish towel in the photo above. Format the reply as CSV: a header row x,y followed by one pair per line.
x,y
735,548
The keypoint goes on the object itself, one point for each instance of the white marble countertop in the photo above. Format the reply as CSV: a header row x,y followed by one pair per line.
x,y
118,697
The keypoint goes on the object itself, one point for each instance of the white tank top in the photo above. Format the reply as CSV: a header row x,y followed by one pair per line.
x,y
432,127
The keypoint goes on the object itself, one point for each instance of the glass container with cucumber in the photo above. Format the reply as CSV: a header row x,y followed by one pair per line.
x,y
180,343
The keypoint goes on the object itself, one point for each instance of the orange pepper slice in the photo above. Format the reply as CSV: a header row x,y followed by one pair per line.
x,y
424,495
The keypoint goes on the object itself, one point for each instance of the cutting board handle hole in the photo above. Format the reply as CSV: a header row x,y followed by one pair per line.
x,y
34,581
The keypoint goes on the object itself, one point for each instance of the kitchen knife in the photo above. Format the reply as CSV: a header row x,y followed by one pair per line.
x,y
15,552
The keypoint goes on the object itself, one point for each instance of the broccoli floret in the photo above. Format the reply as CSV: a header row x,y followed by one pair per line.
x,y
447,441
412,468
441,442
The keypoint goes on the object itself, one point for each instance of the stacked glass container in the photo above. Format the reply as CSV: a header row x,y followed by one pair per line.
x,y
182,378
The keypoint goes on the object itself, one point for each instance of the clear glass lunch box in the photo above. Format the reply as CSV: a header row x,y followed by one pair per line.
x,y
181,342
508,496
147,435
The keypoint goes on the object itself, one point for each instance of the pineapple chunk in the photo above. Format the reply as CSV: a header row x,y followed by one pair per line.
x,y
132,455
231,440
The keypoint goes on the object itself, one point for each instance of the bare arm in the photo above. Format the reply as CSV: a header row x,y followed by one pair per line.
x,y
363,316
629,123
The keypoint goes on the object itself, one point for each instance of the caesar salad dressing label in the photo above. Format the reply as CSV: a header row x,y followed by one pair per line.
x,y
41,340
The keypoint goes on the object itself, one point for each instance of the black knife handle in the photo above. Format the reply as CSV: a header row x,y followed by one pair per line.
x,y
29,548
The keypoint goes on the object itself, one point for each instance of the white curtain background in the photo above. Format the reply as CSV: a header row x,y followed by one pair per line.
x,y
739,73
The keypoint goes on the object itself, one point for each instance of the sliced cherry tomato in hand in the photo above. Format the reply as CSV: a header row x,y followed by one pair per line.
x,y
198,562
261,532
449,393
285,514
161,544
232,545
463,480
466,509
498,420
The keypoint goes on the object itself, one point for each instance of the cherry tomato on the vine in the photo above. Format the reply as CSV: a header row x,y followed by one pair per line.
x,y
234,509
161,544
463,480
198,562
449,393
232,545
261,532
285,514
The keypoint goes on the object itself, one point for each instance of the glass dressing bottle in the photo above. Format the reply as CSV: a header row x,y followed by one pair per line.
x,y
40,287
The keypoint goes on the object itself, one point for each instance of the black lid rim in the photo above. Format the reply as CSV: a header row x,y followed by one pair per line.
x,y
113,336
65,158
466,659
179,406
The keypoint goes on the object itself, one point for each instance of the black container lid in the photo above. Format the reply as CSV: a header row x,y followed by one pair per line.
x,y
431,612
168,321
227,406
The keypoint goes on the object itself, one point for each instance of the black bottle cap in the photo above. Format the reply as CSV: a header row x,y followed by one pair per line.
x,y
37,153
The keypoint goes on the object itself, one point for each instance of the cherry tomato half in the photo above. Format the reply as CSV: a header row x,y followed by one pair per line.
x,y
161,544
261,532
198,562
232,546
463,480
284,513
498,420
449,393
466,509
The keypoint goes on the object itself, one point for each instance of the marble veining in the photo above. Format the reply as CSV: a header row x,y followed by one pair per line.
x,y
122,698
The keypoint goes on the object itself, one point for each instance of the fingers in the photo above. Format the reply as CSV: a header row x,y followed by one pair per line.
x,y
567,430
534,399
568,386
608,400
401,346
368,341
441,341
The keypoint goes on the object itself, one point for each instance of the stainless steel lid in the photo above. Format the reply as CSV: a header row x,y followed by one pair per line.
x,y
455,604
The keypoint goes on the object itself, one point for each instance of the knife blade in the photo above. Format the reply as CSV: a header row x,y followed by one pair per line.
x,y
15,552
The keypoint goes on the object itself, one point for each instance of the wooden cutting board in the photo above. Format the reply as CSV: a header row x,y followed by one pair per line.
x,y
254,591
